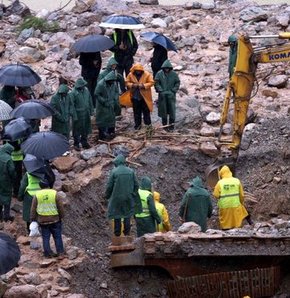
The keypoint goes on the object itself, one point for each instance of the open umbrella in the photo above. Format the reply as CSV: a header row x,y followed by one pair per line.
x,y
93,43
16,129
18,75
46,145
9,253
122,22
32,163
5,111
32,109
160,39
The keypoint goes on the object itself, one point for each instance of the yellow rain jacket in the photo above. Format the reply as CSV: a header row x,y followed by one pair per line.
x,y
165,225
146,79
230,195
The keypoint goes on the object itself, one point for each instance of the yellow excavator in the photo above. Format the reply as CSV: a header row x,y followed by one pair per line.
x,y
243,62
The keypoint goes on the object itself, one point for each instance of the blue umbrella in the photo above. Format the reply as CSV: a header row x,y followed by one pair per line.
x,y
20,75
122,22
5,111
9,253
16,129
32,163
160,39
93,43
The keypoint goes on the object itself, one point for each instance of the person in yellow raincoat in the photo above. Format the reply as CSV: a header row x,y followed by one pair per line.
x,y
139,83
230,195
165,225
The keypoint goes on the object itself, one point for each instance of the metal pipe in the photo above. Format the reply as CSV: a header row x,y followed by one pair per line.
x,y
264,36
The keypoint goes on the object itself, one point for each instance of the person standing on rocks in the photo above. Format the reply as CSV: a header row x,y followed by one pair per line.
x,y
230,195
167,84
158,57
7,176
165,225
91,64
148,219
139,83
122,194
47,210
124,49
62,104
107,102
82,104
196,204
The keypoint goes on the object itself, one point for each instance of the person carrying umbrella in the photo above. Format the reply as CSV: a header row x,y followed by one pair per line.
x,y
167,84
91,65
47,210
107,103
139,83
82,103
158,58
62,104
8,94
124,49
7,176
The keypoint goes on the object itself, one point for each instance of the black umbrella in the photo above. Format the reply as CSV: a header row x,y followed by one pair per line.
x,y
9,253
32,163
16,129
5,111
18,75
46,145
93,43
160,39
32,109
122,22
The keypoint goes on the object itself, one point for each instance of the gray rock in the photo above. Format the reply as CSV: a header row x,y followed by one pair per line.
x,y
107,7
283,19
62,39
22,291
156,23
213,117
33,278
90,153
119,149
189,114
254,14
196,5
149,2
209,148
208,6
189,227
102,150
247,136
279,81
24,34
28,55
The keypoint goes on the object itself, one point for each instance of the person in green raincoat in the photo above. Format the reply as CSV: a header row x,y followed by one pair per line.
x,y
7,176
148,219
82,103
8,94
196,204
122,194
167,84
107,97
62,104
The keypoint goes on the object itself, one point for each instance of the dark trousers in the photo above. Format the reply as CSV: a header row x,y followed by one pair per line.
x,y
118,225
121,67
140,107
53,229
106,132
4,212
18,170
91,86
80,139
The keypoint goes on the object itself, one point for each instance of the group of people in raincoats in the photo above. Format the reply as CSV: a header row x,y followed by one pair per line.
x,y
127,198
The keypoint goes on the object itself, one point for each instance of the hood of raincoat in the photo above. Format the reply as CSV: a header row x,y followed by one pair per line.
x,y
137,66
156,196
196,182
111,62
232,38
80,83
7,148
225,172
167,64
145,183
119,160
111,76
63,89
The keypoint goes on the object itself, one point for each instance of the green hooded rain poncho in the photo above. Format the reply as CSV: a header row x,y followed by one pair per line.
x,y
167,84
61,102
147,224
196,204
122,191
7,174
82,103
107,100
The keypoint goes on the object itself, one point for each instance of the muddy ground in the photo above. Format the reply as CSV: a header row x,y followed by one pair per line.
x,y
264,169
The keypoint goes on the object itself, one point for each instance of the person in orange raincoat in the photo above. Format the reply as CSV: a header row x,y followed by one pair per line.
x,y
139,83
165,225
230,194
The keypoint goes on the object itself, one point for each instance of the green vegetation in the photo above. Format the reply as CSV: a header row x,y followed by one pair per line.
x,y
38,23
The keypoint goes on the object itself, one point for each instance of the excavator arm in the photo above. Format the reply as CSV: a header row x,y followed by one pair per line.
x,y
243,64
